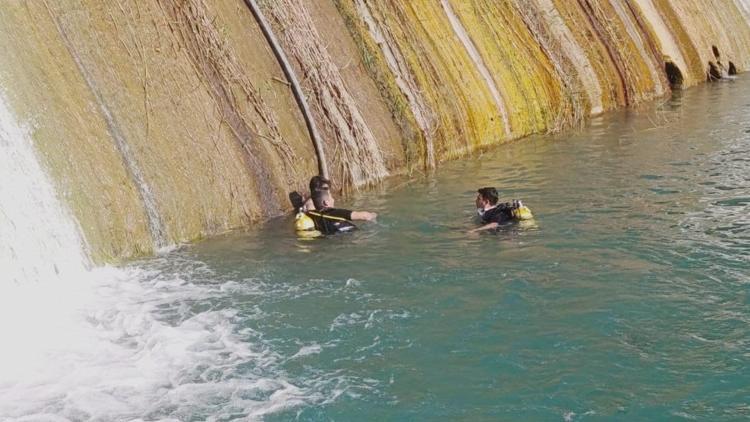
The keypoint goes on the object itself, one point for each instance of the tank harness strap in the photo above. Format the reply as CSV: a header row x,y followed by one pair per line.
x,y
330,217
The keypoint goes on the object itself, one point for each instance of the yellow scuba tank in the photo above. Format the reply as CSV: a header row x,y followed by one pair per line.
x,y
522,213
303,222
304,226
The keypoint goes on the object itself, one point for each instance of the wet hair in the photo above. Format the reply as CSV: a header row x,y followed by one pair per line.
x,y
318,197
319,183
489,194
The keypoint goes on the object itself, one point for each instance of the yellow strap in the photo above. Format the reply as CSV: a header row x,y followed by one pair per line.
x,y
330,217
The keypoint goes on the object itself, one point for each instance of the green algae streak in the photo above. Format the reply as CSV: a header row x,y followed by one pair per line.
x,y
166,121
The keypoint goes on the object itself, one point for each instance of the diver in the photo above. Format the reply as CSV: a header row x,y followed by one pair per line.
x,y
302,204
316,183
330,220
494,214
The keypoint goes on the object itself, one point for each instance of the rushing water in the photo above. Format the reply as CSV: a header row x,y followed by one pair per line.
x,y
627,298
35,231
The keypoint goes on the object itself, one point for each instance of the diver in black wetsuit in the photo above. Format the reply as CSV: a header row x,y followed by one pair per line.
x,y
300,203
329,220
316,183
492,213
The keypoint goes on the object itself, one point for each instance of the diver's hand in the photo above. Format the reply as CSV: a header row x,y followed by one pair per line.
x,y
489,226
364,215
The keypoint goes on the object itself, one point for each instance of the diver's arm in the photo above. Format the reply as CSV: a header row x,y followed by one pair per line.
x,y
489,226
364,215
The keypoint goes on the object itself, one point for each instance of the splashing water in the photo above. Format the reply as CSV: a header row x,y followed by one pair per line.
x,y
39,240
93,344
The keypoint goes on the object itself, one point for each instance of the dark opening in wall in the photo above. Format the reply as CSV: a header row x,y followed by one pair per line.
x,y
732,69
716,51
674,75
714,74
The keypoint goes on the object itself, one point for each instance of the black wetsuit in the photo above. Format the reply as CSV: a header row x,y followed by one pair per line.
x,y
501,213
332,220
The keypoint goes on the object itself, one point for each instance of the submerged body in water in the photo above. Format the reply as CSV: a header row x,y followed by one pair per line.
x,y
494,214
324,219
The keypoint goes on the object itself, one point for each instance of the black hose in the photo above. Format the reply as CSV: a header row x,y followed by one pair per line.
x,y
296,89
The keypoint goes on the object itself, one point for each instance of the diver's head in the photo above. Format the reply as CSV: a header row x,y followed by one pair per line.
x,y
319,183
486,198
322,199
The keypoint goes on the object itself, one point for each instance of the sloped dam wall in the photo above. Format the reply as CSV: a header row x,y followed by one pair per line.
x,y
164,121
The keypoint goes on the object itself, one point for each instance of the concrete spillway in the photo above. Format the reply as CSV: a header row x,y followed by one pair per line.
x,y
165,121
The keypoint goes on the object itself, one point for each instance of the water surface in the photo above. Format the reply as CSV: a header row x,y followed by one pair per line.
x,y
627,298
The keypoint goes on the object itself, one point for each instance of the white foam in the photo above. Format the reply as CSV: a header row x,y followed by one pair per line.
x,y
352,282
312,349
40,241
120,344
115,344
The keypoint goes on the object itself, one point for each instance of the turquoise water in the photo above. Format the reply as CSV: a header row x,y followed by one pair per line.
x,y
628,298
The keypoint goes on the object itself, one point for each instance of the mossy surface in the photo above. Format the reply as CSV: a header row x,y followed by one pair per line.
x,y
166,121
51,98
190,91
519,67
